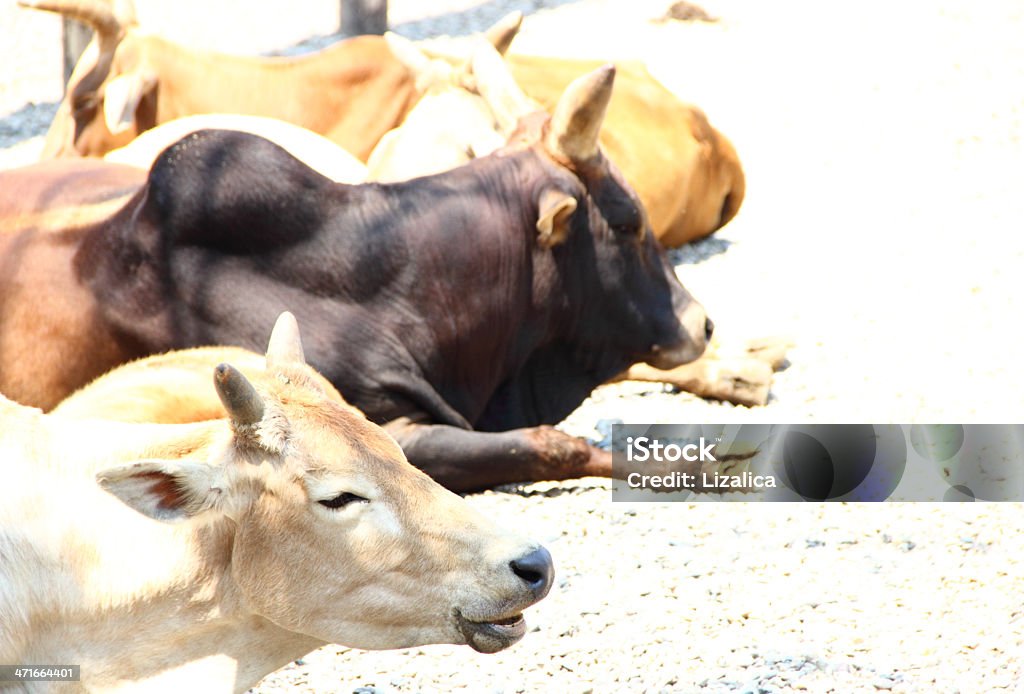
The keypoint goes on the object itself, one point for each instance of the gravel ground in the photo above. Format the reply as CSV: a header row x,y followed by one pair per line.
x,y
881,232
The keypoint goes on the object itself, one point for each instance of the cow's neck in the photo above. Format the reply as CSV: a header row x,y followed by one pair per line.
x,y
153,601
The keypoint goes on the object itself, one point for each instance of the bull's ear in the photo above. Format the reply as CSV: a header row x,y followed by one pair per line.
x,y
121,98
504,30
285,342
555,210
165,490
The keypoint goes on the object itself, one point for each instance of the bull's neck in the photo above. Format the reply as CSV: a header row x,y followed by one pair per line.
x,y
494,276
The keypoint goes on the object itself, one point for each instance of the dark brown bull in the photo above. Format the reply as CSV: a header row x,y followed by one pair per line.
x,y
465,311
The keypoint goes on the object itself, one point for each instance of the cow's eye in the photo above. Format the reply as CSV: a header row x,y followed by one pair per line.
x,y
342,500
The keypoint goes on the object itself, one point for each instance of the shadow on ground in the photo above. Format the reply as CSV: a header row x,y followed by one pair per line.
x,y
699,251
27,122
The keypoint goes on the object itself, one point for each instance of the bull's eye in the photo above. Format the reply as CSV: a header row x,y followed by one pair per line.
x,y
342,500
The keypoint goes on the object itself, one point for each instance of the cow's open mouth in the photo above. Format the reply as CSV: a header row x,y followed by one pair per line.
x,y
491,636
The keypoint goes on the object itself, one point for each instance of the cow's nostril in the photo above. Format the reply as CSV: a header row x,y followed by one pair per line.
x,y
709,329
536,570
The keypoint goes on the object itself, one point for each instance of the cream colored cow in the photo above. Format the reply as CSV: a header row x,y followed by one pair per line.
x,y
315,150
450,125
165,557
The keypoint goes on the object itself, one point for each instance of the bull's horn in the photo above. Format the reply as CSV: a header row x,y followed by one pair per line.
x,y
98,15
504,30
576,123
285,343
499,89
240,399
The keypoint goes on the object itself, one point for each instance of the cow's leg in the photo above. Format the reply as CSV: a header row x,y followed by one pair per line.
x,y
740,381
465,460
739,375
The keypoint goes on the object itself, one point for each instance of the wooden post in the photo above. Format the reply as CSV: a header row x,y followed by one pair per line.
x,y
75,37
364,17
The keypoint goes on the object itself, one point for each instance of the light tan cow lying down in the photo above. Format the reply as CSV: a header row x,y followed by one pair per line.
x,y
166,557
317,151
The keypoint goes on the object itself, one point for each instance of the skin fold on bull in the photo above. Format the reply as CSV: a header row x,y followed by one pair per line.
x,y
464,311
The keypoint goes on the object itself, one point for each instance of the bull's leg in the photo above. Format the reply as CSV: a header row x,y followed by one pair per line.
x,y
464,460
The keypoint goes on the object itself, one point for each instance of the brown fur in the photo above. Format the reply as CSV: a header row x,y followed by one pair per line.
x,y
37,252
352,92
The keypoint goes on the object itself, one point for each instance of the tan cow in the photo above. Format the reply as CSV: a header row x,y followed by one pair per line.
x,y
128,81
165,557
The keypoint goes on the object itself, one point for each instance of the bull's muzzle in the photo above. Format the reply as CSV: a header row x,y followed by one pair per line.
x,y
695,336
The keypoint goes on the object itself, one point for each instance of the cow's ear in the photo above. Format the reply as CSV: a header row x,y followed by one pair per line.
x,y
165,490
504,30
121,98
554,215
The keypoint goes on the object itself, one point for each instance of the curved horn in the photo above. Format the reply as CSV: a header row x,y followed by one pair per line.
x,y
285,343
98,15
500,35
240,399
577,119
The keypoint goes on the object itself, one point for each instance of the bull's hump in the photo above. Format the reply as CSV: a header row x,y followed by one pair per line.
x,y
236,192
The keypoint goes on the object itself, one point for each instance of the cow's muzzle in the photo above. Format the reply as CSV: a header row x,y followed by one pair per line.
x,y
535,572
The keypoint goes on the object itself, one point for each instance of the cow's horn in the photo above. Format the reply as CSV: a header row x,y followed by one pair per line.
x,y
499,89
98,15
240,399
577,119
285,342
504,30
